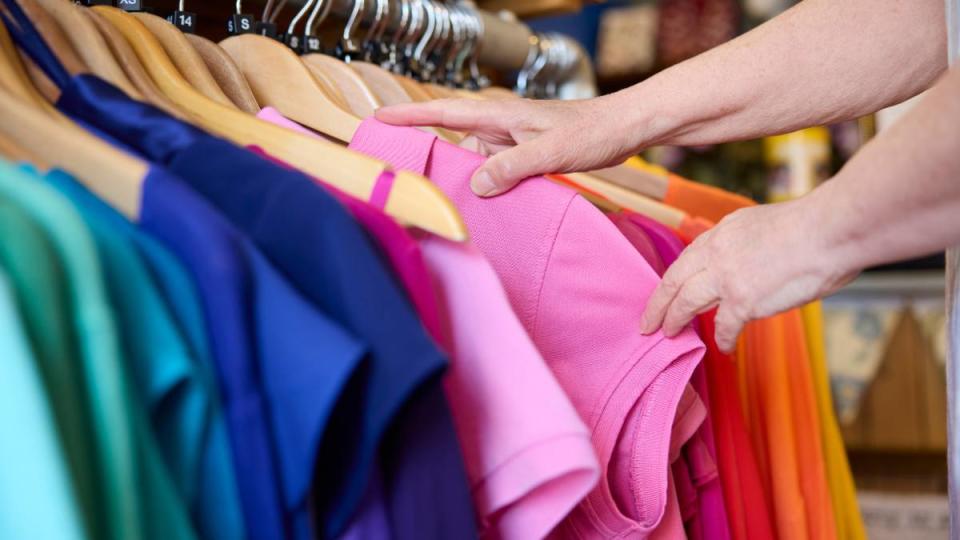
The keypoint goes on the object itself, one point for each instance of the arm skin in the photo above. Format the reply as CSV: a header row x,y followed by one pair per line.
x,y
822,61
819,62
899,197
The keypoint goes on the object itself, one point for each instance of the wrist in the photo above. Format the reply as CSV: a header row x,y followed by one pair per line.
x,y
834,224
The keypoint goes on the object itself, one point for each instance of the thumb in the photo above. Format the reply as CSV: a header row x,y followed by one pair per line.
x,y
506,169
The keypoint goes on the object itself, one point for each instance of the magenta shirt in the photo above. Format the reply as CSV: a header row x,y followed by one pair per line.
x,y
579,288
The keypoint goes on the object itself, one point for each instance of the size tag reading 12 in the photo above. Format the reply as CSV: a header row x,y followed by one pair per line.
x,y
130,5
241,24
184,20
310,44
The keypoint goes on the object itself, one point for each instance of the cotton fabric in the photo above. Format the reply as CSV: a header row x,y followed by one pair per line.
x,y
549,247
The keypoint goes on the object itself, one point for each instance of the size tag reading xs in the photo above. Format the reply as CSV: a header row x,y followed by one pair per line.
x,y
130,5
184,20
241,24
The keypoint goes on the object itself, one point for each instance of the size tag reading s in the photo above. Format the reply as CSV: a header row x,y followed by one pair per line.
x,y
241,24
293,41
184,20
130,5
266,29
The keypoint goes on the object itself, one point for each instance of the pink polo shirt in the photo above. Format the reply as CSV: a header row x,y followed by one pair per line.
x,y
528,454
579,288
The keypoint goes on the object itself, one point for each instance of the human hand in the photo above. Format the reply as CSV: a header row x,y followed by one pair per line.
x,y
527,138
755,263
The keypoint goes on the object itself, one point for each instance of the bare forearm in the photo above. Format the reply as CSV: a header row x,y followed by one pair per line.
x,y
820,62
899,197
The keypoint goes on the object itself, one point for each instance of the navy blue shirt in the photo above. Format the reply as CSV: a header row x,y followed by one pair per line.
x,y
327,256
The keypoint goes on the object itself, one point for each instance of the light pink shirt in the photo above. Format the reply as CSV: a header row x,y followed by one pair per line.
x,y
528,454
579,288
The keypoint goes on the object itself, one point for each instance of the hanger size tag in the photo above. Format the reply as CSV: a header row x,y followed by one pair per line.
x,y
184,20
293,41
95,2
310,44
130,5
266,29
241,24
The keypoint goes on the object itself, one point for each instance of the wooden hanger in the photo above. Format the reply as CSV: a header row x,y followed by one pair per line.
x,y
15,80
113,175
413,200
328,84
387,89
55,37
226,73
279,79
667,215
185,57
360,98
13,152
131,65
497,92
651,183
88,43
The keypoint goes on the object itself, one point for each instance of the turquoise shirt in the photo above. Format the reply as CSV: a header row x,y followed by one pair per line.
x,y
37,498
126,489
170,377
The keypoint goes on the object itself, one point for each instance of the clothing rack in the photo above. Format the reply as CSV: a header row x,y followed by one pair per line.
x,y
507,44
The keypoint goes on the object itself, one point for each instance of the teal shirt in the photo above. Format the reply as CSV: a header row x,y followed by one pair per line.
x,y
37,498
126,489
171,372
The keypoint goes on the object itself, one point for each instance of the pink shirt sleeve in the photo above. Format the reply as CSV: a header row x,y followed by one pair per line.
x,y
528,454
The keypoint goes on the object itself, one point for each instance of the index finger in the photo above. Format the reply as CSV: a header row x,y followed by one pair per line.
x,y
456,114
685,267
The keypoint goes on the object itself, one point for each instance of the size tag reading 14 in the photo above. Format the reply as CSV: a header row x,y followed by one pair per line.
x,y
241,24
184,20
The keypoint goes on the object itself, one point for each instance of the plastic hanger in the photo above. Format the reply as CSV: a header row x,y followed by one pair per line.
x,y
185,57
413,200
131,65
88,43
359,97
226,73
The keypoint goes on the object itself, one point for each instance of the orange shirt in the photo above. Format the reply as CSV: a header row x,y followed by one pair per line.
x,y
702,200
806,424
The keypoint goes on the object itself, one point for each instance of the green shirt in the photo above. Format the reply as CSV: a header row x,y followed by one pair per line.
x,y
123,482
169,380
37,499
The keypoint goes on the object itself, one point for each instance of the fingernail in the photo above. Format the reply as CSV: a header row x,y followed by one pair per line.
x,y
645,326
482,184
